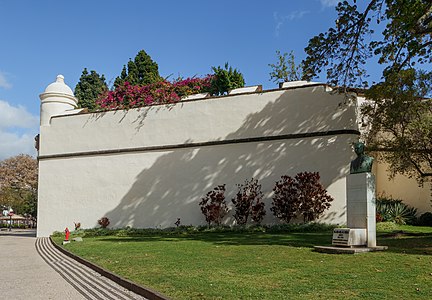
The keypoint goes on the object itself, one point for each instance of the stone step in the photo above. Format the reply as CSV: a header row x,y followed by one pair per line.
x,y
85,280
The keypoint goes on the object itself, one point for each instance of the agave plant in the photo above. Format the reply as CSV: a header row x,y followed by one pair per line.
x,y
402,214
394,210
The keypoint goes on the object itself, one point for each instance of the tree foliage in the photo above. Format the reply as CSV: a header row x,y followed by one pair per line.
x,y
343,50
285,69
225,79
89,88
18,183
399,117
401,131
140,71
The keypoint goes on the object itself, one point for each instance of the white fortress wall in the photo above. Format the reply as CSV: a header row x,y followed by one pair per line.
x,y
147,167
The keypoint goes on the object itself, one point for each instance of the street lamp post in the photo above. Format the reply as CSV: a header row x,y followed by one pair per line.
x,y
10,214
26,221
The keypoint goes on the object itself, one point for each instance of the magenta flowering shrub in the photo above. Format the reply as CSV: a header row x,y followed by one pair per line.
x,y
190,86
127,96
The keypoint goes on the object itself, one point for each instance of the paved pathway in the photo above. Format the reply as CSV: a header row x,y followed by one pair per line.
x,y
33,269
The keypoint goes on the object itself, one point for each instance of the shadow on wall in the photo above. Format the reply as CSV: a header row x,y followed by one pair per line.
x,y
172,187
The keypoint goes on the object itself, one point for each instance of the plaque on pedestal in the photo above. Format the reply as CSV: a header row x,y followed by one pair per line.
x,y
349,237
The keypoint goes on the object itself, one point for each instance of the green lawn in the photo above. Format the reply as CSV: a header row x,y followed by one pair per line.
x,y
266,266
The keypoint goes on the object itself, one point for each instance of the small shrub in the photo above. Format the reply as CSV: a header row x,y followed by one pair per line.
x,y
386,226
313,196
403,214
183,230
98,232
383,206
394,210
104,222
302,195
248,202
379,217
285,204
425,219
77,225
213,205
308,227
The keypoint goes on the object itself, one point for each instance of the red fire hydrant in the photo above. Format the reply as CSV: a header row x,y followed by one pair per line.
x,y
67,232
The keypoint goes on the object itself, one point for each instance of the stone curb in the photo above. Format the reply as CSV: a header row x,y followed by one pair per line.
x,y
127,284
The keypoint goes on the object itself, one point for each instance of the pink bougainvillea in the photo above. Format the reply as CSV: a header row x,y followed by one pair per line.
x,y
128,96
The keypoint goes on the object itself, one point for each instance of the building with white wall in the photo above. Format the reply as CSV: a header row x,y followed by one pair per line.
x,y
147,167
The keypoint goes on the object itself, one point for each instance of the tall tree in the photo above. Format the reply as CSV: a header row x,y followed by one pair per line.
x,y
122,78
89,88
400,116
18,183
140,71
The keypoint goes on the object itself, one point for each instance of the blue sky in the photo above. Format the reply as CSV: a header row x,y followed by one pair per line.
x,y
40,39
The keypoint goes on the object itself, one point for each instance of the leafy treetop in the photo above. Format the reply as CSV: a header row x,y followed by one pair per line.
x,y
89,88
18,184
225,79
285,68
140,71
20,171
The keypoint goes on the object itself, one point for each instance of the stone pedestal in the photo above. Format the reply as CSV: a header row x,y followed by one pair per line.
x,y
361,205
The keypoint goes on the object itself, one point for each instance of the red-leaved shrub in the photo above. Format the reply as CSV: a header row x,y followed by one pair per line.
x,y
302,195
313,196
213,205
248,202
286,204
104,222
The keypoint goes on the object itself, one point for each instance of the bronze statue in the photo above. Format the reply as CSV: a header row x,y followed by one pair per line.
x,y
363,163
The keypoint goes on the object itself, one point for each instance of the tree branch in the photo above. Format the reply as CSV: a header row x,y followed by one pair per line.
x,y
411,55
422,26
419,170
355,43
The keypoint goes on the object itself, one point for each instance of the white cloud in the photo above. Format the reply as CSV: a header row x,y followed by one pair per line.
x,y
4,83
16,116
17,130
280,20
329,3
12,144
